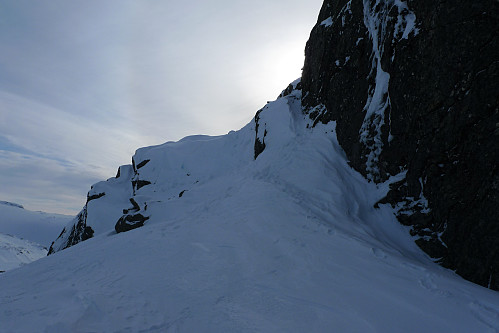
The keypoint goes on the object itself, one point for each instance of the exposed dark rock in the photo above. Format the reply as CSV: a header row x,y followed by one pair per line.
x,y
437,120
259,142
181,194
135,207
94,196
62,233
87,233
129,222
141,164
259,147
81,227
290,88
79,232
139,183
134,203
133,165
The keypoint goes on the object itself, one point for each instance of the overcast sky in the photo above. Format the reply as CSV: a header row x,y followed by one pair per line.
x,y
84,83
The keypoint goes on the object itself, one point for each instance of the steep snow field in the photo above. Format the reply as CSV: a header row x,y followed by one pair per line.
x,y
289,242
38,227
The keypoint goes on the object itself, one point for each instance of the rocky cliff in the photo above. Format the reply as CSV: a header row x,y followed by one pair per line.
x,y
414,89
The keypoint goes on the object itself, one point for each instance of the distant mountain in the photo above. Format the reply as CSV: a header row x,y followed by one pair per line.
x,y
38,227
6,203
15,252
26,235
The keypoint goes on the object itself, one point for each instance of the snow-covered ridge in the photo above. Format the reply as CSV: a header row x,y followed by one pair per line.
x,y
167,172
38,227
25,235
12,204
287,242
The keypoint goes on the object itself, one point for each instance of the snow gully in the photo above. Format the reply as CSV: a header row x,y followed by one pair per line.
x,y
378,21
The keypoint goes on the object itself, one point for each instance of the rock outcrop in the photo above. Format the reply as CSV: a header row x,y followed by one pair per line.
x,y
130,221
78,231
414,89
104,206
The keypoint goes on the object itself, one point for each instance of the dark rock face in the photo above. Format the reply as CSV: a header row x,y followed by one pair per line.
x,y
129,222
104,196
94,196
80,228
137,184
131,218
141,164
79,232
259,136
414,88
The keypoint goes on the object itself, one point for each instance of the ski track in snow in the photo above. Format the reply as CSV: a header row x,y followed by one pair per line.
x,y
289,242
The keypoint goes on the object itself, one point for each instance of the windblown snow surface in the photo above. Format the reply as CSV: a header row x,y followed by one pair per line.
x,y
289,242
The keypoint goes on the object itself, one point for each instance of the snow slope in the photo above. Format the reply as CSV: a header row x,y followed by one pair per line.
x,y
15,252
38,227
289,242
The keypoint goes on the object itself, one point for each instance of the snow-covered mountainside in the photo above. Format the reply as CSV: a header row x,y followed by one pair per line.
x,y
38,227
25,235
265,229
15,252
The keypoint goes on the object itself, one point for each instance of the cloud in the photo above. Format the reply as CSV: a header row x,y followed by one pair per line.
x,y
44,184
83,84
58,135
49,158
